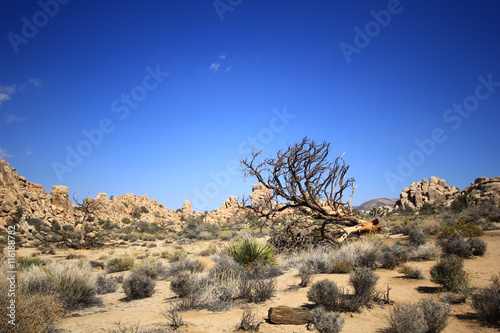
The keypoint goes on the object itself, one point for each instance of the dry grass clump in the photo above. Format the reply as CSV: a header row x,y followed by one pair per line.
x,y
119,264
74,284
249,321
411,272
150,269
34,312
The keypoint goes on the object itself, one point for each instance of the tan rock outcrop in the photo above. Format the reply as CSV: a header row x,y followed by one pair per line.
x,y
433,191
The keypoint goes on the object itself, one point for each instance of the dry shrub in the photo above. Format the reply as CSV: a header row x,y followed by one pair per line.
x,y
249,321
138,285
74,283
411,272
119,264
449,273
105,284
35,312
150,269
426,316
327,322
486,301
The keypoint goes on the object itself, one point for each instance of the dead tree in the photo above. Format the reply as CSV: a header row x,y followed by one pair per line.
x,y
304,183
88,207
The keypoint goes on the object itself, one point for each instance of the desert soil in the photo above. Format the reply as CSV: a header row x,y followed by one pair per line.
x,y
147,312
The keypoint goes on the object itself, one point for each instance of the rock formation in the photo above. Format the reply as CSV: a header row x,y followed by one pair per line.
x,y
260,195
433,191
485,188
187,208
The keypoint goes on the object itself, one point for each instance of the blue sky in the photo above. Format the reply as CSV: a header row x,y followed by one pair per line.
x,y
165,97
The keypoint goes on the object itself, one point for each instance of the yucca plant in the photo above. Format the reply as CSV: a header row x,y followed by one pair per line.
x,y
249,251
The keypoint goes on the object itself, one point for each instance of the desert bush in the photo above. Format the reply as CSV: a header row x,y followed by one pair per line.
x,y
249,251
222,295
138,285
417,237
363,280
209,251
449,273
477,246
119,264
411,272
486,302
455,245
183,266
257,290
150,269
435,313
227,235
172,315
305,273
327,294
34,312
73,283
327,322
426,316
406,318
226,268
427,251
177,255
249,321
390,257
461,228
105,284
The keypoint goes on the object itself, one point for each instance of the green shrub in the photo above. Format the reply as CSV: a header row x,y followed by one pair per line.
x,y
477,246
327,322
138,285
119,264
177,255
449,273
341,266
486,302
411,272
249,251
455,245
183,266
26,262
326,293
460,229
73,283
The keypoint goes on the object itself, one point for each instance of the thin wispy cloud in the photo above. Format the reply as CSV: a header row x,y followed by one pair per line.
x,y
228,68
214,66
36,82
6,92
222,56
11,118
28,151
4,154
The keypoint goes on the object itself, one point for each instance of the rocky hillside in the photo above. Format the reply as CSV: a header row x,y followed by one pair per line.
x,y
436,191
381,202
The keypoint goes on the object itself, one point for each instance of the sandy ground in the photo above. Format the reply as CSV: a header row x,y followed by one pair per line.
x,y
147,311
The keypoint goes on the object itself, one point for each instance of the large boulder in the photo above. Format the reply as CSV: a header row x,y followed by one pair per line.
x,y
433,191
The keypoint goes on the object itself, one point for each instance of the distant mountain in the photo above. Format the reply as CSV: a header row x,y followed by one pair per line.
x,y
367,205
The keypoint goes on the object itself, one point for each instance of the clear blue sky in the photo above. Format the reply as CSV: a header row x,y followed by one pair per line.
x,y
406,89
